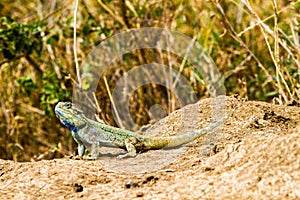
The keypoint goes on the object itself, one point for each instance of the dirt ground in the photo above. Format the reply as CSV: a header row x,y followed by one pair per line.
x,y
255,155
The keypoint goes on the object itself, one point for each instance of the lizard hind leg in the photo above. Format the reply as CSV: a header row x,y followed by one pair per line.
x,y
130,148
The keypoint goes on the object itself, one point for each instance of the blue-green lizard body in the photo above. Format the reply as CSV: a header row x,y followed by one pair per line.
x,y
91,135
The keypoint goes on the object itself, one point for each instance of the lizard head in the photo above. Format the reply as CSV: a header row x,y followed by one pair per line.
x,y
69,115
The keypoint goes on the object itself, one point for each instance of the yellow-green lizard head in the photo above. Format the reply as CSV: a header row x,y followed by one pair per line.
x,y
70,115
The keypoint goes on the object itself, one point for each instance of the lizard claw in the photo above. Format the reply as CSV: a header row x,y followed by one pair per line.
x,y
89,158
77,157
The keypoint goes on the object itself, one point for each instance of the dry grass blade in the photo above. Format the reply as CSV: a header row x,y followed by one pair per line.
x,y
113,103
75,46
280,79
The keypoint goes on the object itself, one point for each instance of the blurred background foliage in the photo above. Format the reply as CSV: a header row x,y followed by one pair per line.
x,y
255,45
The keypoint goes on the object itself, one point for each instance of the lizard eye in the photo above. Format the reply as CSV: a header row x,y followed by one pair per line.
x,y
68,105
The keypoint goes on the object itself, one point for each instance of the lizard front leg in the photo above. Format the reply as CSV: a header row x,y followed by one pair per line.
x,y
81,149
94,149
130,148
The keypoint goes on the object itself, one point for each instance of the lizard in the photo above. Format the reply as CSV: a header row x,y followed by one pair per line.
x,y
90,135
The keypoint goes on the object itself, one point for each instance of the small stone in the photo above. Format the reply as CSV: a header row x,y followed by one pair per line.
x,y
149,178
139,194
78,187
130,183
207,169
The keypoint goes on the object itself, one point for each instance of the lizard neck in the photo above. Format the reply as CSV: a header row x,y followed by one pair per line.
x,y
72,127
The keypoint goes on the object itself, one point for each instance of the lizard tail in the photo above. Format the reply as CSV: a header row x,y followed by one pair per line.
x,y
169,142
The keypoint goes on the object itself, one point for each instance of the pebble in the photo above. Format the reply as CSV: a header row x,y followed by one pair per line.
x,y
130,183
77,187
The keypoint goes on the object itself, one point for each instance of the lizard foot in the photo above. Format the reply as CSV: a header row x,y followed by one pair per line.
x,y
77,157
89,158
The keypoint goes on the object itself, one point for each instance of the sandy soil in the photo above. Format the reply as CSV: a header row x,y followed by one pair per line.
x,y
255,155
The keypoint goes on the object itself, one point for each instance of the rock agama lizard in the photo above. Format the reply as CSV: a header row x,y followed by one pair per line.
x,y
90,134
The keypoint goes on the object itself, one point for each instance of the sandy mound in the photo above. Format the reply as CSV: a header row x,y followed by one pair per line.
x,y
256,155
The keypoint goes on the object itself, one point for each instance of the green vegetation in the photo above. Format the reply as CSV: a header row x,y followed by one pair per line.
x,y
254,44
